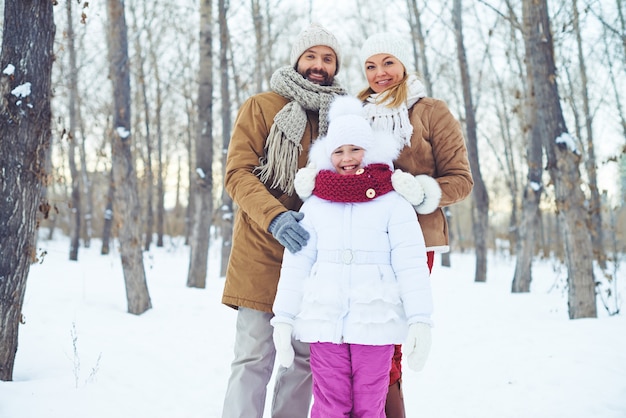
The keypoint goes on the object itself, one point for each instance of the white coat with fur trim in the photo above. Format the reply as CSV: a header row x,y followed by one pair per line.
x,y
362,278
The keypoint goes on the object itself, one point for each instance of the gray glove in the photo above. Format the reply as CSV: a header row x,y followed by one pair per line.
x,y
288,231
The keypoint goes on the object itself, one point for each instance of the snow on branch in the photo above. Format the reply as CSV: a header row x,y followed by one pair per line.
x,y
568,141
123,132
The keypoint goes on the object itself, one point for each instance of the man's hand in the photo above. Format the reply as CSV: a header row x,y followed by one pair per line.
x,y
288,231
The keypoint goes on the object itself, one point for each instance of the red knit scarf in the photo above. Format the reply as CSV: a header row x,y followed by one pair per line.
x,y
369,183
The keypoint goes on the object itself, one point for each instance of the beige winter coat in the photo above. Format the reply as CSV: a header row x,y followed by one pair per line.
x,y
256,257
438,150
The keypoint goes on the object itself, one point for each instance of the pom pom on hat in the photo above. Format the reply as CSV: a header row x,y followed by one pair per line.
x,y
347,126
386,43
314,35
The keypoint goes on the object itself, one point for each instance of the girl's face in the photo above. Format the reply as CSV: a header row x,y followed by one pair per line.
x,y
383,71
347,159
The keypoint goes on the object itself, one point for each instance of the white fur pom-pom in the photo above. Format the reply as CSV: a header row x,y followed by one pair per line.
x,y
408,187
304,182
345,105
432,194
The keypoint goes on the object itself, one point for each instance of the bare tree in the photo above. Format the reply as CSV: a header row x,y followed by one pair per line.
x,y
25,87
563,160
126,195
595,202
226,208
257,19
145,103
527,229
202,197
417,34
528,226
72,84
107,225
479,193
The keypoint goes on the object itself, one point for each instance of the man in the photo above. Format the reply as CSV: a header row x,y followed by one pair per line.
x,y
270,142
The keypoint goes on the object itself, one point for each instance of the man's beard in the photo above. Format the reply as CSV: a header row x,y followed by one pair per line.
x,y
327,81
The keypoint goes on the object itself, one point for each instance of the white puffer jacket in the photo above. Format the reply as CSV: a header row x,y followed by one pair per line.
x,y
362,278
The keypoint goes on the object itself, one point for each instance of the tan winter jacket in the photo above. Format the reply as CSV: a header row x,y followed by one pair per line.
x,y
256,257
438,150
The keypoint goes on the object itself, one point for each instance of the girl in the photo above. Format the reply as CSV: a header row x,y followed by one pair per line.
x,y
361,283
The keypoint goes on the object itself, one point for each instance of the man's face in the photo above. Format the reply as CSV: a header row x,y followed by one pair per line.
x,y
318,64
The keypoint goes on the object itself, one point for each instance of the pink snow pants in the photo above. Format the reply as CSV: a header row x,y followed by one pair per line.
x,y
350,380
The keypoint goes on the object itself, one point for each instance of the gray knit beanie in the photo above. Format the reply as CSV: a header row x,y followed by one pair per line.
x,y
386,43
314,35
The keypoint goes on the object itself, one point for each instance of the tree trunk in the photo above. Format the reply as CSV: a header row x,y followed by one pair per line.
x,y
226,208
86,183
445,257
418,40
107,226
529,224
160,216
202,198
595,201
480,224
72,81
563,160
141,84
25,119
126,195
257,20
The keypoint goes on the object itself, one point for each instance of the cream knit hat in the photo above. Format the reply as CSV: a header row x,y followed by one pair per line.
x,y
386,43
315,34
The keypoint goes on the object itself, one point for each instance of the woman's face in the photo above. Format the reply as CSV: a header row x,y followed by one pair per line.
x,y
383,71
347,159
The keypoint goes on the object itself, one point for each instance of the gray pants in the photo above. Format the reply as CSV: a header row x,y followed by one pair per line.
x,y
252,369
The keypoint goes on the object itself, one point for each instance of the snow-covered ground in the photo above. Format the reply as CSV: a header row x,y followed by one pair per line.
x,y
494,355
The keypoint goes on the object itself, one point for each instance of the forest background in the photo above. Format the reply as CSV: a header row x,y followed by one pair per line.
x,y
191,65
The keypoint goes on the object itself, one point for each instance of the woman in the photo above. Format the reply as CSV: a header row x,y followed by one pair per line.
x,y
434,148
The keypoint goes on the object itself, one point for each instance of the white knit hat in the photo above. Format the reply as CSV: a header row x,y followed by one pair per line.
x,y
314,35
386,43
348,126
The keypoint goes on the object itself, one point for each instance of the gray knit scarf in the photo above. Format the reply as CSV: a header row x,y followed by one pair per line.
x,y
282,147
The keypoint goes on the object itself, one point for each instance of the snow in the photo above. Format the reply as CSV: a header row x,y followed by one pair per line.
x,y
23,90
536,186
9,69
494,354
123,132
569,141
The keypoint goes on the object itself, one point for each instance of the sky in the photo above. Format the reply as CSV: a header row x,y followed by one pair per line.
x,y
494,354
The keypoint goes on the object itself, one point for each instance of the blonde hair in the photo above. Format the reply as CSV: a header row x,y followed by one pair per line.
x,y
396,94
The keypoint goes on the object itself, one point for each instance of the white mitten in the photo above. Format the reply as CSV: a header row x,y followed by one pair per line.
x,y
304,182
432,194
282,342
408,187
417,345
